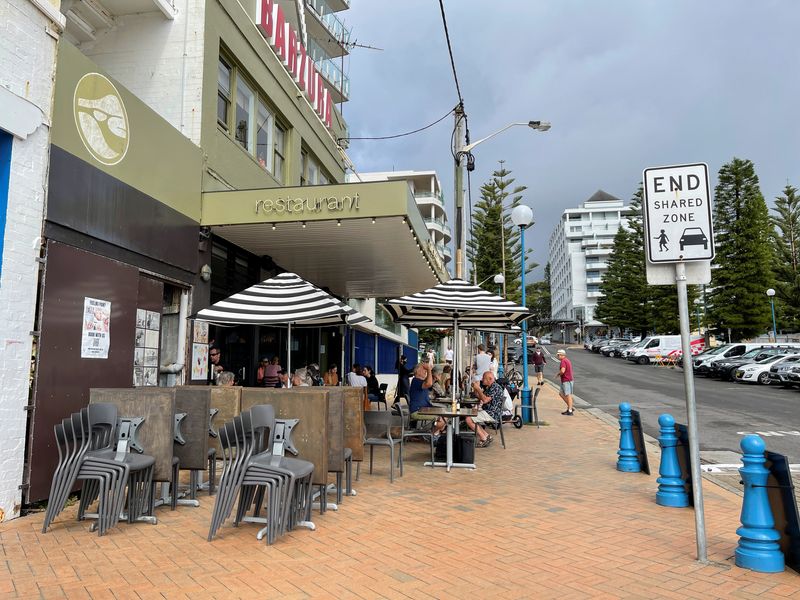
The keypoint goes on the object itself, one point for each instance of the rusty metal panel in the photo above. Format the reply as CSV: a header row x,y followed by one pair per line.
x,y
354,421
195,402
228,401
63,378
311,434
157,406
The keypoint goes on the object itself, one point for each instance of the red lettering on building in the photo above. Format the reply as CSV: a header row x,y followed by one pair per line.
x,y
327,118
302,67
280,34
291,54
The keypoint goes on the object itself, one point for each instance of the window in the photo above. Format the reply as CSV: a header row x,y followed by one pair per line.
x,y
223,94
245,108
303,167
265,124
280,152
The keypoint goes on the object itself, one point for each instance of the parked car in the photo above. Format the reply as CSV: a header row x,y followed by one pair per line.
x,y
545,340
662,345
758,372
612,344
781,372
618,351
726,369
704,364
599,343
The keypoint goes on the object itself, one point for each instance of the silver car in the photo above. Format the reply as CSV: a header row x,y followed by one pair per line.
x,y
785,373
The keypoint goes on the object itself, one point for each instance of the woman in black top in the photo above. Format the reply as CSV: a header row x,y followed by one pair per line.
x,y
373,386
403,375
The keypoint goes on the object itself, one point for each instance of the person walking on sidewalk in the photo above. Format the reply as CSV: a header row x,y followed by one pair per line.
x,y
539,361
565,372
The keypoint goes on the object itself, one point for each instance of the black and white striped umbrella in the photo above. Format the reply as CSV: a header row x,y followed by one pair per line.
x,y
472,306
285,299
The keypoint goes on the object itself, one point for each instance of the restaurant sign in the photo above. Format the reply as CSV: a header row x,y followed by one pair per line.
x,y
289,48
307,205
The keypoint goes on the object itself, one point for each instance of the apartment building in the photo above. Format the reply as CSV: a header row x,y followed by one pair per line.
x,y
579,248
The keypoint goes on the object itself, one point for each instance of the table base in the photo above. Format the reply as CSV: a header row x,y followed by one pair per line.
x,y
453,465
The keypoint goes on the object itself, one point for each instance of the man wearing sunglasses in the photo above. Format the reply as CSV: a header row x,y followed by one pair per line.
x,y
214,367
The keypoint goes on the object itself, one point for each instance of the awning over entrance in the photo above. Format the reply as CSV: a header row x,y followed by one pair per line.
x,y
360,240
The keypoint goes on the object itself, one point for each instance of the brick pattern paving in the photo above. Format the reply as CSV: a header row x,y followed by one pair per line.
x,y
549,517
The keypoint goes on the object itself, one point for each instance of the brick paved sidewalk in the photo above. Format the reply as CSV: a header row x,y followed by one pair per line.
x,y
549,517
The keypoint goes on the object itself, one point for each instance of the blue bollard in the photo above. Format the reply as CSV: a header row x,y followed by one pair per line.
x,y
671,488
758,548
628,460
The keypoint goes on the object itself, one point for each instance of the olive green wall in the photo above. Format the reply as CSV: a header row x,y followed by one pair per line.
x,y
230,26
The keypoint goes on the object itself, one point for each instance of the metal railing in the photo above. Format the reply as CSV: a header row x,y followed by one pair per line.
x,y
328,68
332,23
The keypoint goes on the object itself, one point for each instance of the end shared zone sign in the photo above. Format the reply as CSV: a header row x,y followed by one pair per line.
x,y
677,208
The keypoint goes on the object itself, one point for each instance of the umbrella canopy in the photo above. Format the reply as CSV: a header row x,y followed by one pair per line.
x,y
472,306
460,304
285,299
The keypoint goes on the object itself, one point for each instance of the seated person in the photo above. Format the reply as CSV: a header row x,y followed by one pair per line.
x,y
269,376
225,378
437,389
284,381
447,380
355,377
331,376
313,372
302,378
490,408
418,397
373,385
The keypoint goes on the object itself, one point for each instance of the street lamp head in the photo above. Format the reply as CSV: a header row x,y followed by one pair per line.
x,y
770,292
697,301
499,279
539,125
522,216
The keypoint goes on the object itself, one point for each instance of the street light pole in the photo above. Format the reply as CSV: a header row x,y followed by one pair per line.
x,y
771,294
522,216
460,152
500,281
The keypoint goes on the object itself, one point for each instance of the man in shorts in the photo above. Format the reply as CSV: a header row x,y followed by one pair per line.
x,y
539,361
565,372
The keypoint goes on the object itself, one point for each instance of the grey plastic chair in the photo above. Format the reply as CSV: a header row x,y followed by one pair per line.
x,y
417,429
378,425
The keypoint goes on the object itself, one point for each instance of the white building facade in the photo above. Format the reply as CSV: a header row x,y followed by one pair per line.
x,y
427,190
578,253
30,30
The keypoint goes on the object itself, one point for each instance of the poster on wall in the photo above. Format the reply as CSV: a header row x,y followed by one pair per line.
x,y
145,354
96,334
200,332
199,361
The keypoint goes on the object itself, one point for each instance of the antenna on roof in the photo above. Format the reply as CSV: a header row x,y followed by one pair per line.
x,y
355,44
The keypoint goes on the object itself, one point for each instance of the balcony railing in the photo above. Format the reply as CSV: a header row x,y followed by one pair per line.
x,y
436,197
444,227
332,23
328,68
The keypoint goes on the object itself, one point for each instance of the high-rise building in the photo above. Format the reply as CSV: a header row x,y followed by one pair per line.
x,y
580,246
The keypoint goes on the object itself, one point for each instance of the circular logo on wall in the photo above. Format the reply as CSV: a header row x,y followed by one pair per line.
x,y
101,118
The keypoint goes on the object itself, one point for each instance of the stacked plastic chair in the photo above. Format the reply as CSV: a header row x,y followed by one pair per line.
x,y
251,471
86,453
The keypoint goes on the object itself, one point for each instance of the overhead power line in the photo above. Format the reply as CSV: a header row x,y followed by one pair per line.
x,y
391,137
450,50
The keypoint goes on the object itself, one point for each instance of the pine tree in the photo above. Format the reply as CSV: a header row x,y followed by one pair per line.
x,y
744,253
537,298
787,254
485,248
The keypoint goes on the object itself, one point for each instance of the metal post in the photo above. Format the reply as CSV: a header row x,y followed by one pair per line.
x,y
691,413
500,361
774,329
527,416
458,193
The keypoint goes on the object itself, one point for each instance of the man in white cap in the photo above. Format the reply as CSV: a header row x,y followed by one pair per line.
x,y
565,372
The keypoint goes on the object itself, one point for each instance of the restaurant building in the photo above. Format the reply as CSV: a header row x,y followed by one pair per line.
x,y
194,151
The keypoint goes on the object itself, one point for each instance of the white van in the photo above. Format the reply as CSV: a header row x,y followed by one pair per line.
x,y
649,349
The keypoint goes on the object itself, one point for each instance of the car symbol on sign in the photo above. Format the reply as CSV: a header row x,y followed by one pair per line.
x,y
694,236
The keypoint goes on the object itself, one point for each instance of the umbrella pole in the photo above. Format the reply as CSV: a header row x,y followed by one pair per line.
x,y
289,351
341,367
456,354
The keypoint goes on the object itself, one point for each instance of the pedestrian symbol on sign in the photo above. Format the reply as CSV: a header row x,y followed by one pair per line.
x,y
662,242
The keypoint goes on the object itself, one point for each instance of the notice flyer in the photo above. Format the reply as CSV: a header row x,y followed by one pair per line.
x,y
96,332
199,361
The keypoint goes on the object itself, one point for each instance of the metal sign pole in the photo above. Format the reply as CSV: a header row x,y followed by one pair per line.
x,y
691,413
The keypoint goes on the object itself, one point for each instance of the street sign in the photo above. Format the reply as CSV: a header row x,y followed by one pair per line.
x,y
677,210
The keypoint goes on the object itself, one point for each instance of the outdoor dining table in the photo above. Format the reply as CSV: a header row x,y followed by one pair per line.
x,y
449,414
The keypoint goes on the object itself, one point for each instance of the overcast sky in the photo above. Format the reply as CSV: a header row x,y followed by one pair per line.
x,y
627,84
